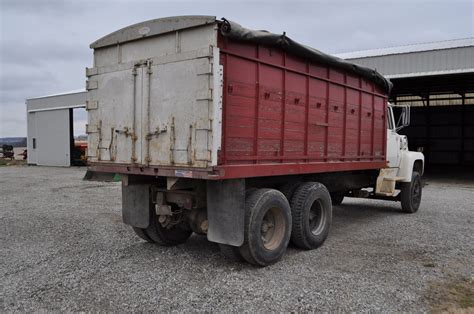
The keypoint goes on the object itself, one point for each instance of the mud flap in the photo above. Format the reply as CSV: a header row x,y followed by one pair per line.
x,y
136,204
226,211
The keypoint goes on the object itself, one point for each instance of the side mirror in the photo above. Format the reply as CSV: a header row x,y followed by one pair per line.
x,y
403,118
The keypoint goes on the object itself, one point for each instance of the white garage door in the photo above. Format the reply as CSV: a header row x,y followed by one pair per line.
x,y
53,138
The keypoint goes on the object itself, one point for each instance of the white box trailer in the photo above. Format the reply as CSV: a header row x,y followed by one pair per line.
x,y
154,95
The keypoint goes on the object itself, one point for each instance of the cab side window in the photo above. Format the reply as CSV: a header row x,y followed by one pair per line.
x,y
390,119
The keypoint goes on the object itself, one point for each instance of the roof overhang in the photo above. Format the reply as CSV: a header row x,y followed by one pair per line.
x,y
438,45
69,100
431,73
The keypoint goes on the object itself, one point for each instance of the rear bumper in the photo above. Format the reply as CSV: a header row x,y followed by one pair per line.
x,y
178,172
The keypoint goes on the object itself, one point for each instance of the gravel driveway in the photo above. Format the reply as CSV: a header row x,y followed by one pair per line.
x,y
63,247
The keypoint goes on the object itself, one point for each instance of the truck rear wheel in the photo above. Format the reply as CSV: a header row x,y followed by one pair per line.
x,y
411,194
156,233
267,227
311,210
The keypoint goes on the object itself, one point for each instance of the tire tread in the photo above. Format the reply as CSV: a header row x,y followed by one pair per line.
x,y
405,195
299,234
249,250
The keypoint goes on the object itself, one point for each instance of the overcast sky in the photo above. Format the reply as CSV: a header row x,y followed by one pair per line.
x,y
45,43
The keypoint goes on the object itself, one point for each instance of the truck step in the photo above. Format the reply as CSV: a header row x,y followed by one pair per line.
x,y
393,178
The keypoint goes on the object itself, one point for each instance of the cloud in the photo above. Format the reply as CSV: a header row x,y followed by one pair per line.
x,y
44,44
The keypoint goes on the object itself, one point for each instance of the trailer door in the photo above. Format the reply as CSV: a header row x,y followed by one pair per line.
x,y
177,113
114,115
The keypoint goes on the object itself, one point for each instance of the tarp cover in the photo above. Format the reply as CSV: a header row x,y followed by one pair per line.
x,y
237,32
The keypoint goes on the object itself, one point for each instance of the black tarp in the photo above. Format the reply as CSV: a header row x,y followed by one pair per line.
x,y
237,32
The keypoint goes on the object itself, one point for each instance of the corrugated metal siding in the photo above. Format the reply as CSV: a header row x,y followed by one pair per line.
x,y
430,46
421,62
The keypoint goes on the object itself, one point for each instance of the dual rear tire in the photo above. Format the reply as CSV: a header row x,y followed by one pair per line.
x,y
270,223
267,228
312,215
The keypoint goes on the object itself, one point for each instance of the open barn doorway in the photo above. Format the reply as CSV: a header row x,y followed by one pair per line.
x,y
78,137
442,123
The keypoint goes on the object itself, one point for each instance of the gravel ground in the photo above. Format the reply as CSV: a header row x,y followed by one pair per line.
x,y
64,247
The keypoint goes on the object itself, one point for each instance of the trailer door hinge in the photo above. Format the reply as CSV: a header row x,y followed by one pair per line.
x,y
92,71
92,104
92,85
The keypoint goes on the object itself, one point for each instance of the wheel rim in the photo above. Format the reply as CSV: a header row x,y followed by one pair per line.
x,y
416,193
272,229
316,217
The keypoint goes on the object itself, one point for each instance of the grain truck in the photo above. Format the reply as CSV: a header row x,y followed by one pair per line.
x,y
247,137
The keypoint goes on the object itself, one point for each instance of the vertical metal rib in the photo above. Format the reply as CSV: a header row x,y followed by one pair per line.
x,y
148,131
134,73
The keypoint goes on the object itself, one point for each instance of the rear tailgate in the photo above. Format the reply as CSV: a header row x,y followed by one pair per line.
x,y
156,101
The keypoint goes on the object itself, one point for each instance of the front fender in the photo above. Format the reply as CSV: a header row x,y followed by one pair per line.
x,y
407,162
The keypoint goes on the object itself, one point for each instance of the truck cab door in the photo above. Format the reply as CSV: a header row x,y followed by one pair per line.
x,y
393,141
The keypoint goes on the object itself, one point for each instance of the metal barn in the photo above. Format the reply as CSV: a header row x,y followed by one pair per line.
x,y
437,80
50,128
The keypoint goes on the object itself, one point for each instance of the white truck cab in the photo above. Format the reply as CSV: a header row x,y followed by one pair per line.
x,y
401,179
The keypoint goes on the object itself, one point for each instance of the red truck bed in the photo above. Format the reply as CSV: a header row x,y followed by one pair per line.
x,y
285,115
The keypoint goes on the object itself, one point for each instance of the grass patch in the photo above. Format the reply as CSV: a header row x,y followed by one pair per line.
x,y
8,162
453,297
